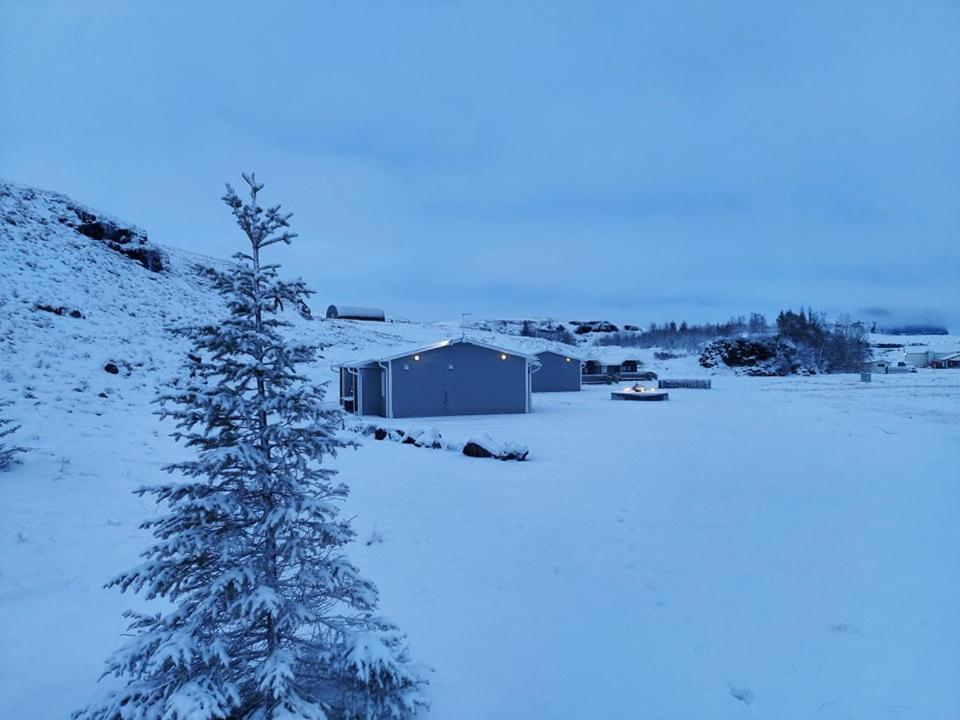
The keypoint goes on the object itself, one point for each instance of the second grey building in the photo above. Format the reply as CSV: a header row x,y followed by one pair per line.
x,y
557,373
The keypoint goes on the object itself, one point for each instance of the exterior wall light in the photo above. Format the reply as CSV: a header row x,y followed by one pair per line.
x,y
503,356
416,358
567,359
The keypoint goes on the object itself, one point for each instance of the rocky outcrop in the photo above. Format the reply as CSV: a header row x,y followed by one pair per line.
x,y
582,327
126,240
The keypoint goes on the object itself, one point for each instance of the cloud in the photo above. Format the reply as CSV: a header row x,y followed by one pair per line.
x,y
509,158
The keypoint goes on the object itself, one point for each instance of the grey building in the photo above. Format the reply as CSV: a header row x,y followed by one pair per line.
x,y
453,377
352,312
558,372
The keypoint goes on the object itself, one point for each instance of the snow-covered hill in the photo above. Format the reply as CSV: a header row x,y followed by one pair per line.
x,y
776,547
76,303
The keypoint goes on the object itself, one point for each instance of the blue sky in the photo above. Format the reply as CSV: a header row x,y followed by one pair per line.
x,y
633,161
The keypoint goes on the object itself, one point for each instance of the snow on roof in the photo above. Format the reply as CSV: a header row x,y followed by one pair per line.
x,y
560,354
434,346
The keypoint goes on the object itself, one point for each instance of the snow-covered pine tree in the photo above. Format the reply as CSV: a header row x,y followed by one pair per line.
x,y
269,619
8,451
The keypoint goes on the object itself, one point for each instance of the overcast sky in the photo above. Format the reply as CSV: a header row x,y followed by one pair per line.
x,y
637,161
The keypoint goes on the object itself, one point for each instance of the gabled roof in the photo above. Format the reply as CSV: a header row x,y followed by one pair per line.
x,y
434,346
560,354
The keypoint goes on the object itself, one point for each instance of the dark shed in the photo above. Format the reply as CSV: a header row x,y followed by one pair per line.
x,y
350,312
454,377
558,372
592,367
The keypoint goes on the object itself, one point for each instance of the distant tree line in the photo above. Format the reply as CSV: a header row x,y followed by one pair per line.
x,y
687,336
797,341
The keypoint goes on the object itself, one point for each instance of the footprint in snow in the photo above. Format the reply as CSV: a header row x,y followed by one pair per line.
x,y
744,694
843,629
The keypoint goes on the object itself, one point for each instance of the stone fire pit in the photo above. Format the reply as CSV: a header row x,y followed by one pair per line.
x,y
639,392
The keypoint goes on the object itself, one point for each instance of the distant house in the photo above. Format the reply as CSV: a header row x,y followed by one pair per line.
x,y
931,358
629,369
453,377
593,372
558,372
351,312
592,367
946,360
596,371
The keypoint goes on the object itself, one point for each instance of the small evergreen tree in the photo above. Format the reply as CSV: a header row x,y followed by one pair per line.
x,y
8,451
269,619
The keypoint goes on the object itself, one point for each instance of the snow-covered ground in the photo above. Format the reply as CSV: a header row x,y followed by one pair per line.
x,y
770,548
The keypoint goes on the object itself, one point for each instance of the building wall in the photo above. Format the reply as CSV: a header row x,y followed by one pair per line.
x,y
556,374
459,379
417,386
478,382
919,359
371,387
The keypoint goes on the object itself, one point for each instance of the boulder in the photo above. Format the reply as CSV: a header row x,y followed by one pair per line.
x,y
487,447
476,449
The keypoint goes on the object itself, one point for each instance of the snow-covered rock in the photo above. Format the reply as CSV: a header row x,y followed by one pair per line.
x,y
485,446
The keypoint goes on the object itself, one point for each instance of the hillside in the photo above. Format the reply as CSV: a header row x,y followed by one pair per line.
x,y
774,547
